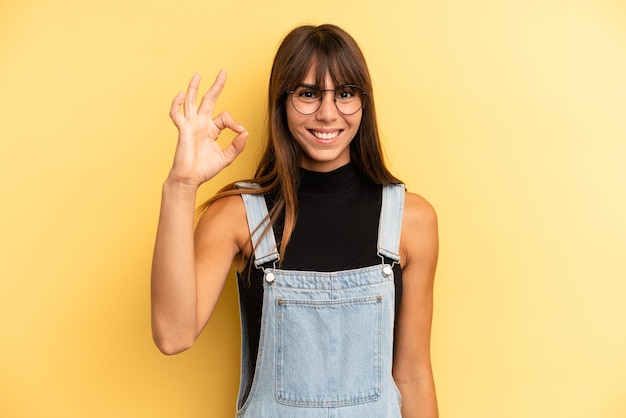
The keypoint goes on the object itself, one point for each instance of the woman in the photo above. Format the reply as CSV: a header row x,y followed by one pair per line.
x,y
335,260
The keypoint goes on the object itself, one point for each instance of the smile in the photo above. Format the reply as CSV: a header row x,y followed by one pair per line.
x,y
326,135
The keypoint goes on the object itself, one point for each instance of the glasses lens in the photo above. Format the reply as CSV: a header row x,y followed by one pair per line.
x,y
306,100
348,99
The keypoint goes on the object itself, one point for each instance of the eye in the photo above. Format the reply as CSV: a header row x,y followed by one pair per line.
x,y
306,93
347,92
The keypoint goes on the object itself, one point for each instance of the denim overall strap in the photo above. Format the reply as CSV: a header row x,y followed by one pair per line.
x,y
390,223
263,240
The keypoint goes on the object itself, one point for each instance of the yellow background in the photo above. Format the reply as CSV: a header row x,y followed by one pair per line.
x,y
509,116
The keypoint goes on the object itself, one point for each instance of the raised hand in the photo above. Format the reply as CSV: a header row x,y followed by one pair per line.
x,y
198,156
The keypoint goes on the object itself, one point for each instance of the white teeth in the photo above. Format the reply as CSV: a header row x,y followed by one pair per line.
x,y
326,135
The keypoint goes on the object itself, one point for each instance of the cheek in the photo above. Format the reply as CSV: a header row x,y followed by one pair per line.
x,y
290,125
355,121
290,118
294,120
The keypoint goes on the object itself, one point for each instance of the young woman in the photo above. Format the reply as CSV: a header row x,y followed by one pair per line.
x,y
335,260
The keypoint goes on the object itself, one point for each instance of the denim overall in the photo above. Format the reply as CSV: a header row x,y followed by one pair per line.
x,y
326,341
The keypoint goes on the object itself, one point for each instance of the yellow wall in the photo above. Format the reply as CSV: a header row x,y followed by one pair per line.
x,y
509,116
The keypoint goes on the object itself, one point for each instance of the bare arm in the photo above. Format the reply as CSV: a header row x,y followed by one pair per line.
x,y
412,366
180,308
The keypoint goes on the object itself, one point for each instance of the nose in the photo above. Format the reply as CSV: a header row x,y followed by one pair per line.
x,y
328,109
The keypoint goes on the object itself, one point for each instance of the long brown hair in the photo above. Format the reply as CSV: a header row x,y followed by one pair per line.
x,y
332,51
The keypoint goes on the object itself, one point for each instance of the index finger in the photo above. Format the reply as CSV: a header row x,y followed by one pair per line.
x,y
207,105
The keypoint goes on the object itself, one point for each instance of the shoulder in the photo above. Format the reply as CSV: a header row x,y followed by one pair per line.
x,y
227,208
224,220
418,211
419,237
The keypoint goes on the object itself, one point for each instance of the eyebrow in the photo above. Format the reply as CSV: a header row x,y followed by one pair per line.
x,y
313,86
310,86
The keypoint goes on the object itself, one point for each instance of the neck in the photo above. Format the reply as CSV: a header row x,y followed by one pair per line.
x,y
328,182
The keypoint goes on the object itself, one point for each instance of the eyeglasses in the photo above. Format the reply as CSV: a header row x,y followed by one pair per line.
x,y
307,99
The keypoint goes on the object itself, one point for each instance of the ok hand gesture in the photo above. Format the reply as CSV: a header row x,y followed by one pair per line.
x,y
198,156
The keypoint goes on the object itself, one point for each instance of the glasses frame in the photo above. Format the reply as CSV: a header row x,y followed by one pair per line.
x,y
354,86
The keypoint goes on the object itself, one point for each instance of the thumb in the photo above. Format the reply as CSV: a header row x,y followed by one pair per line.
x,y
235,148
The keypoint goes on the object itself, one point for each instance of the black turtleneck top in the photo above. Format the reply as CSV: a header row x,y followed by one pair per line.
x,y
336,229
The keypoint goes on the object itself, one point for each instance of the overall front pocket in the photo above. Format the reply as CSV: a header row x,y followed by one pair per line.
x,y
328,352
